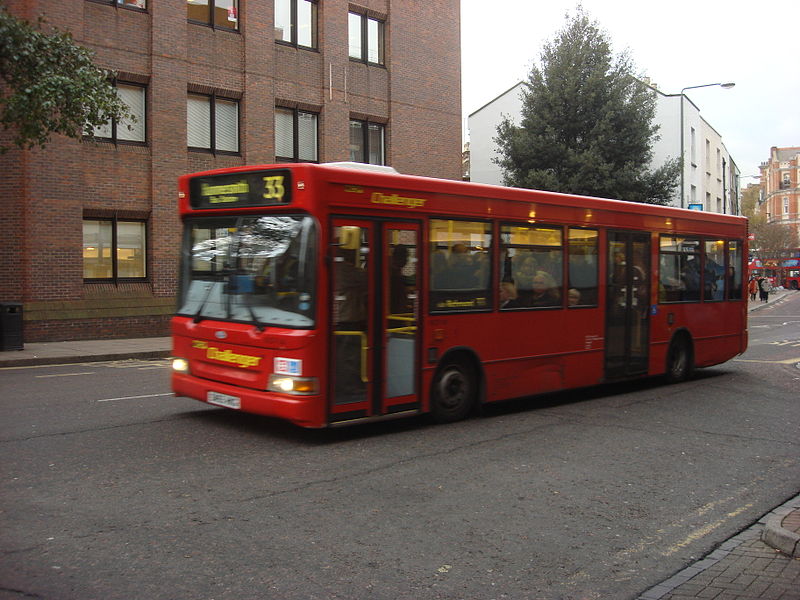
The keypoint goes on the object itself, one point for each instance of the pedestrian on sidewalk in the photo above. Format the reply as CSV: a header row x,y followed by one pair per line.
x,y
766,288
752,288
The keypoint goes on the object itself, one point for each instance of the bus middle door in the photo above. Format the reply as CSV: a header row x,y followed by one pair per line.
x,y
627,304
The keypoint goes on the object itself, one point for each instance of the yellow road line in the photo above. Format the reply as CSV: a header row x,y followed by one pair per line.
x,y
63,375
788,361
704,531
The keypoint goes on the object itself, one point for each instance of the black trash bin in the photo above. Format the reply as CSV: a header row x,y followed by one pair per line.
x,y
11,326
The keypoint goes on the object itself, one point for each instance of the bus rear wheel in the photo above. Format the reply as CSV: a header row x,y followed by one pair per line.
x,y
454,393
679,360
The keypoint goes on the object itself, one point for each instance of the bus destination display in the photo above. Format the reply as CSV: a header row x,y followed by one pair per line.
x,y
239,190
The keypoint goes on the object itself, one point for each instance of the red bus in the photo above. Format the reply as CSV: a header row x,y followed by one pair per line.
x,y
330,295
784,272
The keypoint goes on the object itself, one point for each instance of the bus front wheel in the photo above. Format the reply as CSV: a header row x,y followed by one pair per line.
x,y
679,360
454,393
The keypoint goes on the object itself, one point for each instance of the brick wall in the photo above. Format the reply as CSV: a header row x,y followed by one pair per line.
x,y
49,192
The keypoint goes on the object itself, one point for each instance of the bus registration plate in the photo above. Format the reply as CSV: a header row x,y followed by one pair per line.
x,y
224,400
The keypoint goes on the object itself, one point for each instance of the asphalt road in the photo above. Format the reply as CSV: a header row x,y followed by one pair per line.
x,y
113,489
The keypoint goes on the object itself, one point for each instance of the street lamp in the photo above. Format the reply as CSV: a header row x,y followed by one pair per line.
x,y
725,86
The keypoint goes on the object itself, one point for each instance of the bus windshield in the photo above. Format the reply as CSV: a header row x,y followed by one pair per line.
x,y
249,269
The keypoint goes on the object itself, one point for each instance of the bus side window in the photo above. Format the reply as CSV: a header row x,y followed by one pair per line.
x,y
680,272
460,265
734,273
582,285
532,253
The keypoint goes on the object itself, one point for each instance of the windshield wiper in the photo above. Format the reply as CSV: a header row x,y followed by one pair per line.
x,y
198,315
259,325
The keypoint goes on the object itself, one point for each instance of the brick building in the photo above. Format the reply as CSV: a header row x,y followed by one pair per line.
x,y
214,83
780,187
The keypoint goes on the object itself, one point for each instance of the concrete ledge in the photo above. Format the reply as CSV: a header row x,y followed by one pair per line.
x,y
779,538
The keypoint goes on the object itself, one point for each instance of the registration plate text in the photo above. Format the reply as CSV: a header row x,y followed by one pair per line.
x,y
224,400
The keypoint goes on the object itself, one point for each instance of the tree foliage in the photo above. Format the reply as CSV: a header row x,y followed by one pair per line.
x,y
586,124
50,85
774,240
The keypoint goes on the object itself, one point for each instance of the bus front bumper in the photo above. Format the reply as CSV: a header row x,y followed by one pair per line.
x,y
305,411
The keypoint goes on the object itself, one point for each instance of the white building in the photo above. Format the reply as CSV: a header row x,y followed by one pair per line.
x,y
483,129
710,176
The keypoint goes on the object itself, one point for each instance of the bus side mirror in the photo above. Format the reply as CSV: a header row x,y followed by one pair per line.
x,y
350,237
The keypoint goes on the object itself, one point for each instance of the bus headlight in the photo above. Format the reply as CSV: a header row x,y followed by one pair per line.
x,y
286,384
181,365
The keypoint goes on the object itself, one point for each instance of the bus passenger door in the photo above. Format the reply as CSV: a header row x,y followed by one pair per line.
x,y
352,272
374,310
399,331
627,304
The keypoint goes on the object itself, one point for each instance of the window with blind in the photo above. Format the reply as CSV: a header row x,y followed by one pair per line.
x,y
212,123
127,130
296,135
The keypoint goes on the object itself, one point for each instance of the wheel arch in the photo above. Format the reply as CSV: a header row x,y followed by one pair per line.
x,y
680,336
467,356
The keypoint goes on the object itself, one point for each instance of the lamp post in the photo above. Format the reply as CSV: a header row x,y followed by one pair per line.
x,y
725,86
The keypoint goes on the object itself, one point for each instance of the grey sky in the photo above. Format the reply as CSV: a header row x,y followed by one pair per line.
x,y
677,44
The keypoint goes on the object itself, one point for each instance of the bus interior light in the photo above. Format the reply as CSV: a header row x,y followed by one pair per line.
x,y
287,384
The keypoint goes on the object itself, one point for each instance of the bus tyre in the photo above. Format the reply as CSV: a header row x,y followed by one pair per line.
x,y
679,361
454,393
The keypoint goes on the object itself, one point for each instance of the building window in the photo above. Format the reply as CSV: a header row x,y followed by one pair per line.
x,y
367,142
366,38
296,22
141,4
296,135
126,130
223,14
114,249
212,123
786,205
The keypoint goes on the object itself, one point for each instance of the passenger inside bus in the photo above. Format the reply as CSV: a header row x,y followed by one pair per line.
x,y
350,316
545,292
508,294
573,297
398,302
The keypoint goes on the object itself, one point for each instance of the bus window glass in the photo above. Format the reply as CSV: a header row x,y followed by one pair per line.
x,y
734,270
251,269
714,272
532,260
460,265
679,269
582,284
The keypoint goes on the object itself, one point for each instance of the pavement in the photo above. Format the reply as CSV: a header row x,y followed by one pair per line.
x,y
760,563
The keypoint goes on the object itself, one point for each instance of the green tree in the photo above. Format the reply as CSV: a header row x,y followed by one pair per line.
x,y
586,124
50,85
